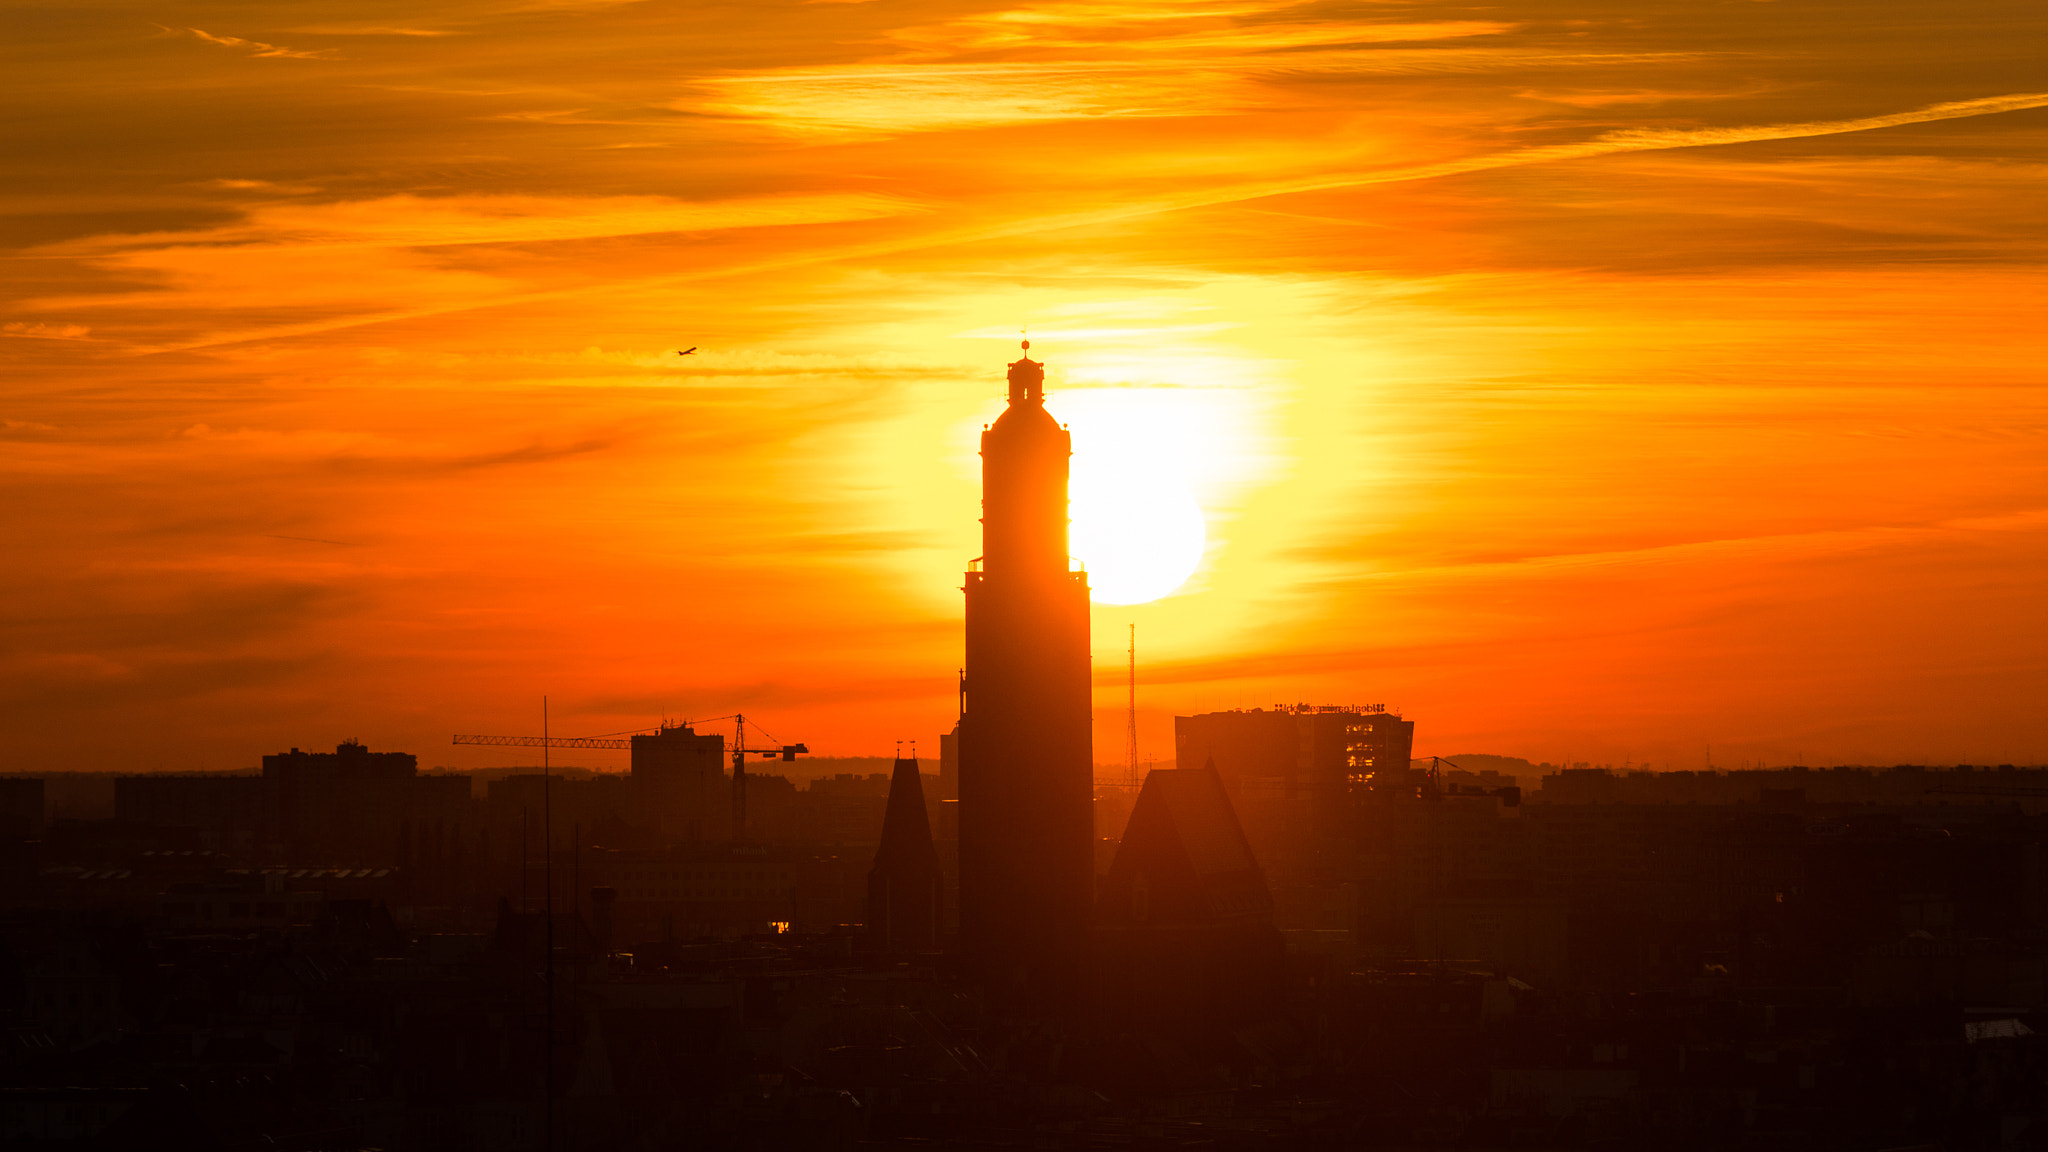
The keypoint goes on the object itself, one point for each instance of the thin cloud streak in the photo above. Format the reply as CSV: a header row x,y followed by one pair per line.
x,y
1776,544
896,98
1681,560
258,47
1612,143
1628,140
1167,28
426,222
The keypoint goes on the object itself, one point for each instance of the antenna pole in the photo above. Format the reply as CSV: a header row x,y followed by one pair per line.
x,y
547,857
1131,722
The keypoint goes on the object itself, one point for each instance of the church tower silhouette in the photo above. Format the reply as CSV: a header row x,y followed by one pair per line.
x,y
1026,744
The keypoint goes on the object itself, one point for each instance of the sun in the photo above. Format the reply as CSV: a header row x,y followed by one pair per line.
x,y
1140,537
1139,455
1166,442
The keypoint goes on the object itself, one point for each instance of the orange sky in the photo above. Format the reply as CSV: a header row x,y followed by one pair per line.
x,y
1595,381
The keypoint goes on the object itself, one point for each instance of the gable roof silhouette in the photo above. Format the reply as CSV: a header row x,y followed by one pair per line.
x,y
1184,857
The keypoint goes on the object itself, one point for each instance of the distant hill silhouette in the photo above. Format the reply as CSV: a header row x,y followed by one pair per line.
x,y
1476,762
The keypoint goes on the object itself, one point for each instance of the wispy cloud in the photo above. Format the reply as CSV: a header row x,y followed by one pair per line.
x,y
423,221
370,30
883,99
1670,565
1151,332
1608,98
1636,139
1610,143
1622,141
256,47
40,330
1070,60
237,184
357,254
1170,29
894,99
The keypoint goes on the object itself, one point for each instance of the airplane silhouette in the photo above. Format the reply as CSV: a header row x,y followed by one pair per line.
x,y
687,351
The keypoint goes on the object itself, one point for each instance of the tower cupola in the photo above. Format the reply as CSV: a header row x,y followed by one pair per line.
x,y
1027,379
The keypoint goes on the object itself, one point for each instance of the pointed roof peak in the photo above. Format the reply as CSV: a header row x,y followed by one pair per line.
x,y
906,826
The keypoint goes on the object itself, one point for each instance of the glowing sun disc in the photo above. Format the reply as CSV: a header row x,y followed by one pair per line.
x,y
1141,539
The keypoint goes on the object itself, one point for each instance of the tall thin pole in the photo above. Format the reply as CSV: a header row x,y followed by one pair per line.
x,y
547,867
739,778
1131,725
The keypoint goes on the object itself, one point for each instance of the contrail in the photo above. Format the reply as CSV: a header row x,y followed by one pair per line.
x,y
1628,140
1625,140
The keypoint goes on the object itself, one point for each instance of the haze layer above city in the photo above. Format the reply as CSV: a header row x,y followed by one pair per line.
x,y
1625,383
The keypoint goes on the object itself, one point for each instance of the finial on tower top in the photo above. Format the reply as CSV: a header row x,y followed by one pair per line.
x,y
1027,345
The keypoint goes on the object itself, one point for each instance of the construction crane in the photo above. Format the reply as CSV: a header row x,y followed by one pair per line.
x,y
547,741
1436,766
739,766
1510,796
622,741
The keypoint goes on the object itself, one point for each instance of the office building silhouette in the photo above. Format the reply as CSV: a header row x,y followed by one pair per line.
x,y
354,803
679,779
1311,782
